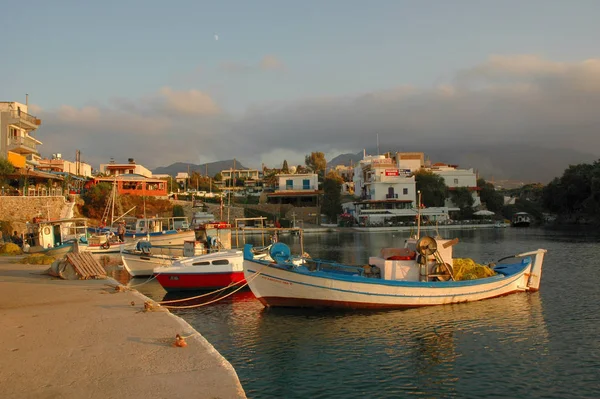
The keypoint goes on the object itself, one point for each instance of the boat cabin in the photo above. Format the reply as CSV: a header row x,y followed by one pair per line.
x,y
53,233
210,237
428,259
155,225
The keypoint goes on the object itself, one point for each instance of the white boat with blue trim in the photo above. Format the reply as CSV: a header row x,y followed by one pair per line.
x,y
421,274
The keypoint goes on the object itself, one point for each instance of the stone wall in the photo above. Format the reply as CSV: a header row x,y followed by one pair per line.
x,y
19,210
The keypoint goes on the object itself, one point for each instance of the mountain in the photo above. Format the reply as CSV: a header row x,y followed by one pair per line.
x,y
517,162
211,168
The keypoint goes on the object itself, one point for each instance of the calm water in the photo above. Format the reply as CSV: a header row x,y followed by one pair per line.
x,y
524,345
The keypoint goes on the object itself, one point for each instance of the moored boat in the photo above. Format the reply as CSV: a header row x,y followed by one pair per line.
x,y
211,237
209,263
203,272
521,219
421,274
54,237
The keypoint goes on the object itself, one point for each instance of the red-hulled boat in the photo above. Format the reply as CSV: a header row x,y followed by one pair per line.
x,y
203,272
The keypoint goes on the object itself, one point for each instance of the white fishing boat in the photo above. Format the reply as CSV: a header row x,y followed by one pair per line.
x,y
140,261
208,238
54,237
421,274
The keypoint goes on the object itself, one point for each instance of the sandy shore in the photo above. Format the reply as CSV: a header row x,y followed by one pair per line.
x,y
82,339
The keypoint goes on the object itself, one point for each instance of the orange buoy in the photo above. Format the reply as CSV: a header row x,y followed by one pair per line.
x,y
179,341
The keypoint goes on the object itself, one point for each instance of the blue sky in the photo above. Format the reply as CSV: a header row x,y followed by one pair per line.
x,y
72,52
102,54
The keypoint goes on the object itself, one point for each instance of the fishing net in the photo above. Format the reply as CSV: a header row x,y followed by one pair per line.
x,y
10,249
467,269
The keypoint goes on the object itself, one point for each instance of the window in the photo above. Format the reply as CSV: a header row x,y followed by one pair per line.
x,y
405,191
200,263
289,184
306,184
220,262
455,181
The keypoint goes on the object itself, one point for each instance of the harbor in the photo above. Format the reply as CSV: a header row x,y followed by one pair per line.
x,y
83,339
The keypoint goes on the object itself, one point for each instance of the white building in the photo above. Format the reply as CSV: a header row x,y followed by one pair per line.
x,y
58,164
17,143
410,161
383,190
117,169
456,178
299,189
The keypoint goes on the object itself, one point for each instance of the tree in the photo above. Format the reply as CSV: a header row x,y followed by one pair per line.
x,y
178,211
316,162
218,177
493,200
285,168
6,168
463,199
95,200
332,195
433,188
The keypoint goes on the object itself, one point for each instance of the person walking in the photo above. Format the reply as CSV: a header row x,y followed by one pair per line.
x,y
121,231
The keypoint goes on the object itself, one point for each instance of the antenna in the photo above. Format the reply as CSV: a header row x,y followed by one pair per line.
x,y
377,143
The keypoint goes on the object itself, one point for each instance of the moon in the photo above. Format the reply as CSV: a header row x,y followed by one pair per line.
x,y
216,37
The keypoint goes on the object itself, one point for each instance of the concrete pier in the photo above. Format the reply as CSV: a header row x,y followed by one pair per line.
x,y
82,339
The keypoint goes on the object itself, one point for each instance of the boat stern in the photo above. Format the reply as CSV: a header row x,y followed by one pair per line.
x,y
535,272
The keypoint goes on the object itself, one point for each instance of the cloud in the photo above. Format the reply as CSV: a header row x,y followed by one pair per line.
x,y
191,102
268,63
506,100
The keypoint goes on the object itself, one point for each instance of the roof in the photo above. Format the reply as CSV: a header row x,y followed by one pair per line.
x,y
36,173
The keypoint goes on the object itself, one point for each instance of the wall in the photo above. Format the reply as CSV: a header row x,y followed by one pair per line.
x,y
19,210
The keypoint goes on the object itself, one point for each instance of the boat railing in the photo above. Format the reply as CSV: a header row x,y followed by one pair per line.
x,y
320,265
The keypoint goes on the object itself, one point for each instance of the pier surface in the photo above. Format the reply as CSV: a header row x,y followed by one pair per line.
x,y
82,339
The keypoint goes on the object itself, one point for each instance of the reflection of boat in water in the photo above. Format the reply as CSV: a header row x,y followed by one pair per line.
x,y
421,274
432,350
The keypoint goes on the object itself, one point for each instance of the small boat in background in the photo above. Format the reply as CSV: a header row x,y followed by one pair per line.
x,y
521,219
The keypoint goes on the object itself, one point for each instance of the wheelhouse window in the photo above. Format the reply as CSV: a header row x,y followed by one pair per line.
x,y
205,263
220,262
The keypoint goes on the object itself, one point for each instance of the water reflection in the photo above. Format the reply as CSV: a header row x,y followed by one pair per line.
x,y
429,352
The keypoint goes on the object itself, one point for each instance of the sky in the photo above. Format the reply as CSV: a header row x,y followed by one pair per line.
x,y
264,81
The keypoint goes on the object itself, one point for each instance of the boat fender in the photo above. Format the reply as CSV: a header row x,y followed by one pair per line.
x,y
105,245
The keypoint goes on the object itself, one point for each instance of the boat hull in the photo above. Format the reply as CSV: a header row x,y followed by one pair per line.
x,y
57,251
171,239
143,265
276,286
173,282
203,272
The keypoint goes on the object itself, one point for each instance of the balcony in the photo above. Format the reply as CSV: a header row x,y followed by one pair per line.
x,y
24,120
391,196
23,145
298,188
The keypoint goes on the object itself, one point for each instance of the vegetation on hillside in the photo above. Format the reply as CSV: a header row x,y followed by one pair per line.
x,y
332,195
575,196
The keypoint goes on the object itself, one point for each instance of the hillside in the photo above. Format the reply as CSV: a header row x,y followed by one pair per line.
x,y
211,168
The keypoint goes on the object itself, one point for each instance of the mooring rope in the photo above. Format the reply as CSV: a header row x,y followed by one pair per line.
x,y
256,274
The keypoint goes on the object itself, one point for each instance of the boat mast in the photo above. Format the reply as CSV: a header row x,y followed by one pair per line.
x,y
419,214
113,197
